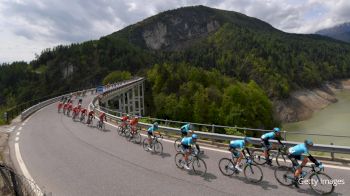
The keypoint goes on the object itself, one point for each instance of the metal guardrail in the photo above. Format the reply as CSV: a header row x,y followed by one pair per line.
x,y
216,136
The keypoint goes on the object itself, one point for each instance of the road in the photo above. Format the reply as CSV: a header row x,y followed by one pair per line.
x,y
69,158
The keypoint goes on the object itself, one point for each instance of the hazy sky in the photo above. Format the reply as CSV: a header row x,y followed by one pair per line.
x,y
29,26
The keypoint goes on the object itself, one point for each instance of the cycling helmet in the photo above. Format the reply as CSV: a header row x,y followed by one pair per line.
x,y
276,130
248,139
155,124
194,136
309,142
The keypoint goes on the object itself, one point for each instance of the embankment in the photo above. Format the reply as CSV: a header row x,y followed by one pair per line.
x,y
303,103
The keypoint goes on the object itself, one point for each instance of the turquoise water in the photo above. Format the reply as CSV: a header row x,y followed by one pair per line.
x,y
332,120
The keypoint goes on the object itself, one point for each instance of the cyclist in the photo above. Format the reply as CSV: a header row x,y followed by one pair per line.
x,y
133,124
150,131
91,115
102,117
186,144
60,104
69,107
125,120
275,134
76,111
237,148
83,112
301,152
185,129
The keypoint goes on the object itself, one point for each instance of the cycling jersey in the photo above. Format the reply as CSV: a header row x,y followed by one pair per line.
x,y
83,110
125,118
152,129
134,122
187,141
91,113
185,129
267,136
240,144
102,116
299,149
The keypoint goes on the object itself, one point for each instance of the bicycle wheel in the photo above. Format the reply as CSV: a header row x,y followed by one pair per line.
x,y
258,157
253,173
120,130
284,175
137,138
145,144
226,167
199,166
322,183
180,160
158,147
281,160
177,145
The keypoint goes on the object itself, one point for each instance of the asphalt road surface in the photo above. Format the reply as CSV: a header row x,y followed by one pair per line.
x,y
69,158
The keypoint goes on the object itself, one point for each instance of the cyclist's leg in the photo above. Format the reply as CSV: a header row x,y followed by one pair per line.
x,y
299,169
150,138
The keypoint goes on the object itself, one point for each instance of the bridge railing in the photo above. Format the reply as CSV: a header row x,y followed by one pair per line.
x,y
210,134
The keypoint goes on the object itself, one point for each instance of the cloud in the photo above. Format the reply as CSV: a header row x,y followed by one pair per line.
x,y
45,23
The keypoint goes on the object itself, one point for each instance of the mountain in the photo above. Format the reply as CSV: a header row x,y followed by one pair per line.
x,y
339,32
241,58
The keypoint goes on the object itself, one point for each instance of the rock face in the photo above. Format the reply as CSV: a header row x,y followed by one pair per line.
x,y
175,32
301,104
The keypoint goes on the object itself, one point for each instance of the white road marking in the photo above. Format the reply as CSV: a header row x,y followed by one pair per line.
x,y
25,171
20,128
16,139
227,152
18,133
24,123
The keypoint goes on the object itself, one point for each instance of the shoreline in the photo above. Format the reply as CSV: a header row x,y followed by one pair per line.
x,y
302,104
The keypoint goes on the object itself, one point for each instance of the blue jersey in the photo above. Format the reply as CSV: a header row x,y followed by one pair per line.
x,y
299,149
267,136
152,128
237,144
187,141
185,128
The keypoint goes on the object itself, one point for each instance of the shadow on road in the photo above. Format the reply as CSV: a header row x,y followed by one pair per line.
x,y
163,155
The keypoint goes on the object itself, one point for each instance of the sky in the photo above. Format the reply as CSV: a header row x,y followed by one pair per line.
x,y
29,26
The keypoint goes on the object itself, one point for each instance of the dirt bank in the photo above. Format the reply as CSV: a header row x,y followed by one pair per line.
x,y
303,103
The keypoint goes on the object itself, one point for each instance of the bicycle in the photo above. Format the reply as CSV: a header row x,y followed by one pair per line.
x,y
280,156
156,145
285,176
252,171
123,130
89,121
135,136
82,118
198,165
100,125
75,114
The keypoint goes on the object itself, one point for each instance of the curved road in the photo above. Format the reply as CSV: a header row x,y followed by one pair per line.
x,y
69,158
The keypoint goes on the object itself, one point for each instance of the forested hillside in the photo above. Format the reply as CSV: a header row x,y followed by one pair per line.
x,y
225,66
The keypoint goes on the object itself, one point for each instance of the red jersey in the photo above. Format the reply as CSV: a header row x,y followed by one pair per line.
x,y
134,121
125,118
83,110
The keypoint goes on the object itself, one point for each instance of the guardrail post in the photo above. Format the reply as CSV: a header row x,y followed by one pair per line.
x,y
213,131
332,153
285,135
